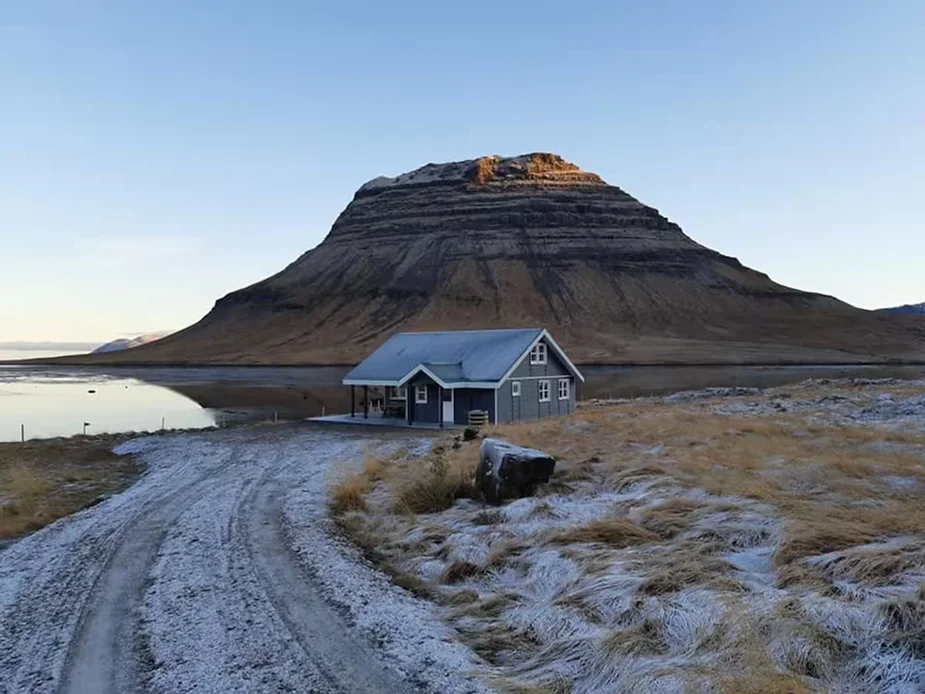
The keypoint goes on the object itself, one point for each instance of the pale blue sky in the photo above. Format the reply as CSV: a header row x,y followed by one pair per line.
x,y
157,155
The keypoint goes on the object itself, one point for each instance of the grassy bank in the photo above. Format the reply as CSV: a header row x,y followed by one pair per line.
x,y
768,542
41,481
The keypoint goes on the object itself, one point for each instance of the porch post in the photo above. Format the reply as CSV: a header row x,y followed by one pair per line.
x,y
440,403
352,399
365,402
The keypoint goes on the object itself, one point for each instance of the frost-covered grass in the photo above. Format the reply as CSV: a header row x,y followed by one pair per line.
x,y
769,542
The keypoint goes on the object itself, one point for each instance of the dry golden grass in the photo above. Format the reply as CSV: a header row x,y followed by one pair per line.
x,y
616,532
671,517
41,481
826,481
459,571
434,484
347,495
806,539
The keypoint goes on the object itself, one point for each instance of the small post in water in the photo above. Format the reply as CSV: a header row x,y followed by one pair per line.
x,y
275,416
162,423
22,432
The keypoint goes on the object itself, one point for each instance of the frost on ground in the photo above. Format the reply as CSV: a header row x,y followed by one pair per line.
x,y
217,572
726,541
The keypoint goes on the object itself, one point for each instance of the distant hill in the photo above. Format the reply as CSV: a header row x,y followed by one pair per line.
x,y
908,308
124,343
527,241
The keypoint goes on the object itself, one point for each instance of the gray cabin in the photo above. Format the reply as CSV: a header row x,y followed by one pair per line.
x,y
440,377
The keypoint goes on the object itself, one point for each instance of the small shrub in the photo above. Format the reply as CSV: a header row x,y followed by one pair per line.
x,y
470,434
437,490
347,495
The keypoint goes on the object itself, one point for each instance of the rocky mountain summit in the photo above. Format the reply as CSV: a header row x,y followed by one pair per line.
x,y
525,241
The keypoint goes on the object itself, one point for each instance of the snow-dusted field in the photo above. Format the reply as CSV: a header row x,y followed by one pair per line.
x,y
716,541
217,572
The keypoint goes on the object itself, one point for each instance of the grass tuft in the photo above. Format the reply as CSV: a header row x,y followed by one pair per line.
x,y
616,532
437,489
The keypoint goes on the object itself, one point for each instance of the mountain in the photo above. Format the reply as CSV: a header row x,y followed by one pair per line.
x,y
907,308
525,241
124,343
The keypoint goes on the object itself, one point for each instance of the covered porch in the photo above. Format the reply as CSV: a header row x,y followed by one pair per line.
x,y
419,400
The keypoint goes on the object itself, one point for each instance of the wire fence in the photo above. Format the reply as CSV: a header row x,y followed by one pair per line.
x,y
220,419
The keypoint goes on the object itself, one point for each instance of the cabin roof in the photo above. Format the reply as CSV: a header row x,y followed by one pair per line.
x,y
457,358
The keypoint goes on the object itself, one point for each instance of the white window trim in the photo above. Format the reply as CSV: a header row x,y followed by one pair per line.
x,y
564,382
398,393
420,395
540,388
539,354
515,389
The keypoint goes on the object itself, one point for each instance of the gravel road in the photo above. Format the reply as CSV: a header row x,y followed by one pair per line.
x,y
217,572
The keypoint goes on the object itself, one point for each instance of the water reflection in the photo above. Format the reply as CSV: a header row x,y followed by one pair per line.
x,y
46,404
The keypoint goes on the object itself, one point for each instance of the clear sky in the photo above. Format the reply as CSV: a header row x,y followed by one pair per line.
x,y
155,155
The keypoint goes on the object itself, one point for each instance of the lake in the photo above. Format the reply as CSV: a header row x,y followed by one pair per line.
x,y
56,401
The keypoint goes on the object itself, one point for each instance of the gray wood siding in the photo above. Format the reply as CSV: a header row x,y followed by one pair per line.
x,y
508,405
473,399
552,367
421,412
528,405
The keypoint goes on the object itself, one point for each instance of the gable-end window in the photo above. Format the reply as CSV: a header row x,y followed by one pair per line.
x,y
515,389
563,389
398,392
420,394
544,391
538,353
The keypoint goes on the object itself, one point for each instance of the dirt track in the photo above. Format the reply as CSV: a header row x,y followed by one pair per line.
x,y
189,582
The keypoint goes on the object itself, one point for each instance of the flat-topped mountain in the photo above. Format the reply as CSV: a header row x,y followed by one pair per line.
x,y
525,241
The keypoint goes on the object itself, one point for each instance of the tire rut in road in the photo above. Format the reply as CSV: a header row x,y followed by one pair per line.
x,y
107,654
344,659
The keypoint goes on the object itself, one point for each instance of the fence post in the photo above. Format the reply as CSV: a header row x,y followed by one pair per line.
x,y
162,423
275,416
22,432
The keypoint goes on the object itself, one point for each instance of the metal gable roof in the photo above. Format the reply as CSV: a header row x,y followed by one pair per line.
x,y
477,356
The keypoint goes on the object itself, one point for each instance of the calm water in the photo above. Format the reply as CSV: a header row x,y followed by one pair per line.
x,y
55,401
48,403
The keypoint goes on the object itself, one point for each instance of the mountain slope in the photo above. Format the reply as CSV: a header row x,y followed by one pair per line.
x,y
907,308
525,241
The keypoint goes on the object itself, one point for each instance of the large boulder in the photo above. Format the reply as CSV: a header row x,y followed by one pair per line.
x,y
507,471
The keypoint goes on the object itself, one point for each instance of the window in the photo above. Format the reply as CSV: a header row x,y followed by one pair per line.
x,y
420,394
538,353
515,389
544,391
563,389
398,393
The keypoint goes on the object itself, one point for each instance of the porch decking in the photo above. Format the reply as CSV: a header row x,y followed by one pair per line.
x,y
379,421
